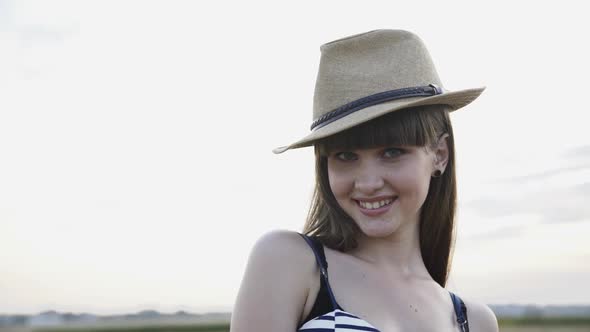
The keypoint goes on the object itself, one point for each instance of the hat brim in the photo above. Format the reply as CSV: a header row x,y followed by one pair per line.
x,y
455,99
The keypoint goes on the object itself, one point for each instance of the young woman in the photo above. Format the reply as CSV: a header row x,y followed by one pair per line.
x,y
383,210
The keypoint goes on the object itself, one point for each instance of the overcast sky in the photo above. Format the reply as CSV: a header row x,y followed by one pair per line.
x,y
136,169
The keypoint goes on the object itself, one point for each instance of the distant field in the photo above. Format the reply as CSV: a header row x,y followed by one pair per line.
x,y
148,328
545,325
545,329
151,328
528,325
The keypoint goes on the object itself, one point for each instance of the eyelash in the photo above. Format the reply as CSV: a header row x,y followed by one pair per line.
x,y
338,154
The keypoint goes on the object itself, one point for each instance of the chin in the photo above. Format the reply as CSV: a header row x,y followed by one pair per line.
x,y
378,228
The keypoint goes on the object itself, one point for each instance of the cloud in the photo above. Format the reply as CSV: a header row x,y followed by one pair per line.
x,y
32,35
570,157
579,152
5,12
582,189
551,200
544,175
554,205
32,46
500,233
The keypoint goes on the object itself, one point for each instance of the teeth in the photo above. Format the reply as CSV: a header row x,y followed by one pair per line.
x,y
374,205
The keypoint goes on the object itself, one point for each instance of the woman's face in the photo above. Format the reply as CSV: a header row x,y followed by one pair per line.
x,y
382,189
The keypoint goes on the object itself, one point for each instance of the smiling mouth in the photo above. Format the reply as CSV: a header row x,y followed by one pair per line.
x,y
375,205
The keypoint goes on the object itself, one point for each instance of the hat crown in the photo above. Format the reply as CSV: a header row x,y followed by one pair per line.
x,y
368,63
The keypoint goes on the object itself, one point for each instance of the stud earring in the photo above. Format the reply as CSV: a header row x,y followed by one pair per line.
x,y
437,173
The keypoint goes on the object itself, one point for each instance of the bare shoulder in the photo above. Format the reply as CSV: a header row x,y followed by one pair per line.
x,y
480,316
285,249
275,285
285,240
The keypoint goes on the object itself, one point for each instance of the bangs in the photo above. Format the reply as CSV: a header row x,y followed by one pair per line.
x,y
415,126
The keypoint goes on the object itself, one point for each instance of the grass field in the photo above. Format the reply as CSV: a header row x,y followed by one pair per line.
x,y
545,325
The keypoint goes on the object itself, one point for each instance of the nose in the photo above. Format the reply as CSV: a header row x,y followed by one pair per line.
x,y
368,180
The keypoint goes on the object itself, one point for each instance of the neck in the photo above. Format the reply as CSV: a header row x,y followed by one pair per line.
x,y
397,254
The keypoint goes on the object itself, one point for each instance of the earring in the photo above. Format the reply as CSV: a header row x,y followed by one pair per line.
x,y
437,173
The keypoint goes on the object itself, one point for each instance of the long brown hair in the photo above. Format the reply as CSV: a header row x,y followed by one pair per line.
x,y
418,126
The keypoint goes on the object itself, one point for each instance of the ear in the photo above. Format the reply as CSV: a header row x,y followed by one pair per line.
x,y
441,153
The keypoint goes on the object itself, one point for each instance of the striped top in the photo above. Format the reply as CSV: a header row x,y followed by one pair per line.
x,y
327,315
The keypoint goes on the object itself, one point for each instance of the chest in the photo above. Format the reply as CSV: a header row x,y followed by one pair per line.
x,y
390,311
393,305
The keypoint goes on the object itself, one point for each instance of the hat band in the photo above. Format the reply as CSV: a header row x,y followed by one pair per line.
x,y
342,111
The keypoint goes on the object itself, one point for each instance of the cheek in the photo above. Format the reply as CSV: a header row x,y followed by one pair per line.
x,y
414,184
338,184
422,185
335,184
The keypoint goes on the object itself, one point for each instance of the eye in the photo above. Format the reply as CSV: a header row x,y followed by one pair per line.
x,y
345,156
393,152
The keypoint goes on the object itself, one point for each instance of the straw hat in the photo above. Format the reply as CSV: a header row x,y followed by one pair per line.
x,y
364,76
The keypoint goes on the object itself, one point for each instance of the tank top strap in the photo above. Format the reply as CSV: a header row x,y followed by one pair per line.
x,y
320,256
460,312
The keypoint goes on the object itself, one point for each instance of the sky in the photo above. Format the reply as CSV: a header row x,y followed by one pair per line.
x,y
136,169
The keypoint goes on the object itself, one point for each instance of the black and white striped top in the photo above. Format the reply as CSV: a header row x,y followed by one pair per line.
x,y
321,319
